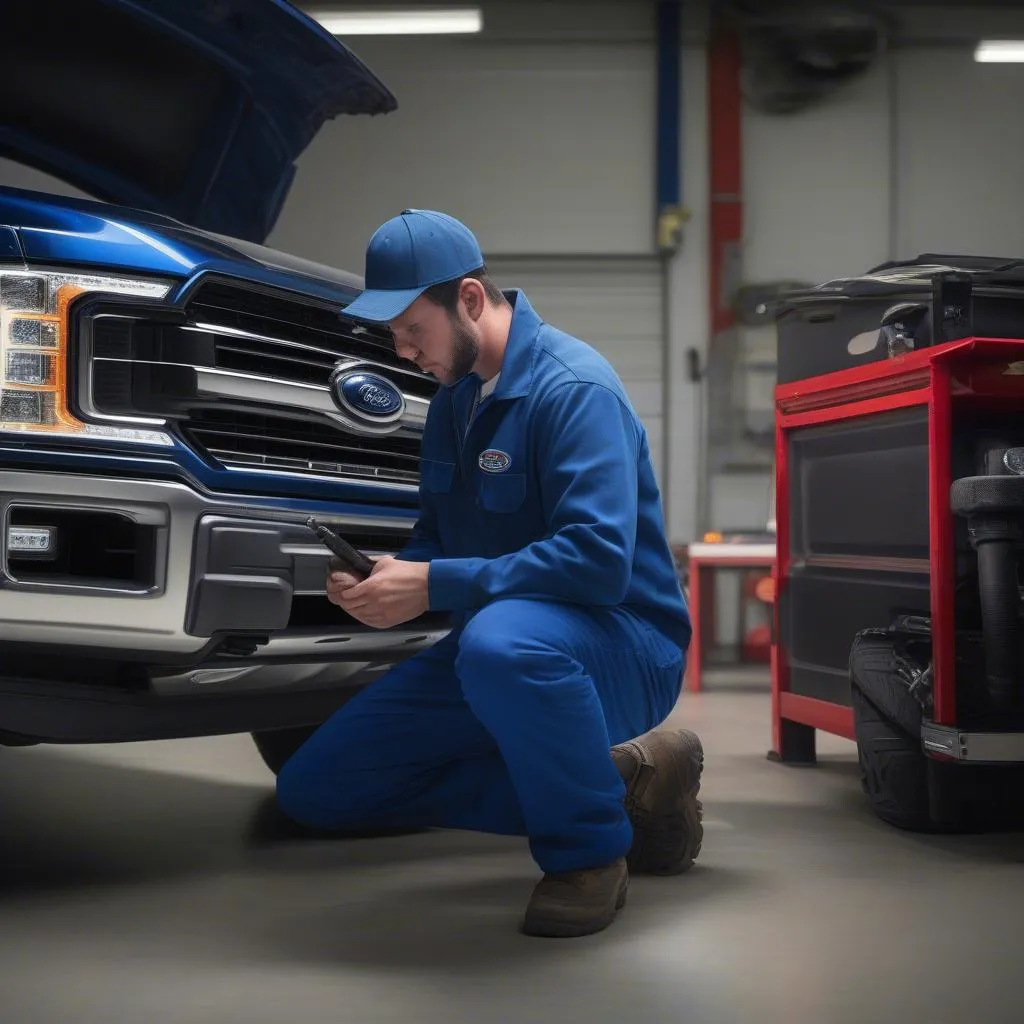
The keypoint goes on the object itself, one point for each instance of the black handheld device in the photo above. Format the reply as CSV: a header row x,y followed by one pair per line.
x,y
351,560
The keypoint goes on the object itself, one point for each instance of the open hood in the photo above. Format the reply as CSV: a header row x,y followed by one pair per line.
x,y
195,109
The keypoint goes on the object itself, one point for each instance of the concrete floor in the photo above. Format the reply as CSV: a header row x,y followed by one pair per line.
x,y
132,890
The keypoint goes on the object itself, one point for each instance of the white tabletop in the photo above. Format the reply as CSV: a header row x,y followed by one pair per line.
x,y
731,552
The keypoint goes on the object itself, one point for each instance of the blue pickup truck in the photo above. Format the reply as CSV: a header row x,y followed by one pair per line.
x,y
176,398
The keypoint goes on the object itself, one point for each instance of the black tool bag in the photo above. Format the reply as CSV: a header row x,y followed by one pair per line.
x,y
898,308
893,669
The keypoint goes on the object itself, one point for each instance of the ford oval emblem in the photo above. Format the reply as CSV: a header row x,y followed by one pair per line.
x,y
368,395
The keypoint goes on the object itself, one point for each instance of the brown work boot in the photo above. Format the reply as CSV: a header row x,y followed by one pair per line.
x,y
662,771
577,902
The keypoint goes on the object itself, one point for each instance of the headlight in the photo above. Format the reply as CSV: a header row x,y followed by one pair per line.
x,y
34,352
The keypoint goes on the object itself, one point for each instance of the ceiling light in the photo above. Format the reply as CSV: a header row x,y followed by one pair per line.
x,y
403,22
1000,51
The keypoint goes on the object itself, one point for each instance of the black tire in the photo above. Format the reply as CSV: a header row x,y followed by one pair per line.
x,y
276,746
893,771
903,786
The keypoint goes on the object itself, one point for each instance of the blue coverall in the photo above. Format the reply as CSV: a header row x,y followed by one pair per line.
x,y
542,522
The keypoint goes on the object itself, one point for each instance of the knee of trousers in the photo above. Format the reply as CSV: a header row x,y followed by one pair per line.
x,y
306,796
491,654
293,792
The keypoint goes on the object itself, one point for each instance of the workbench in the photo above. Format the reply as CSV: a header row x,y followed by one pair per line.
x,y
705,559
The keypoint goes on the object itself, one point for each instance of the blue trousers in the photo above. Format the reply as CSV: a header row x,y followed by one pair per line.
x,y
505,726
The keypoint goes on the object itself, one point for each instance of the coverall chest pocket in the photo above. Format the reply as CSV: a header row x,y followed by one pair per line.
x,y
438,482
436,477
502,492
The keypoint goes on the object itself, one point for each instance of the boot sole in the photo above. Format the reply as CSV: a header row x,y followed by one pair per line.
x,y
554,928
677,827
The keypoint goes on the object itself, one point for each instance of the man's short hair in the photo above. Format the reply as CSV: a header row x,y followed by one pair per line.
x,y
446,294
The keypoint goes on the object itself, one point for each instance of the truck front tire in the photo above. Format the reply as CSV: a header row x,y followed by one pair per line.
x,y
276,746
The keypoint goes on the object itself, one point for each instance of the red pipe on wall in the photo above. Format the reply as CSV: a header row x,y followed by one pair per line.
x,y
726,179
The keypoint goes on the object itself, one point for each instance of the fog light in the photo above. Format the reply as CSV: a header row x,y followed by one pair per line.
x,y
31,541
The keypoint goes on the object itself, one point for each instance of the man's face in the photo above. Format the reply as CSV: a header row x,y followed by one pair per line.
x,y
443,346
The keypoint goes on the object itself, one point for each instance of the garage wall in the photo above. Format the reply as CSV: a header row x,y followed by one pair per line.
x,y
816,185
539,137
959,149
922,154
687,313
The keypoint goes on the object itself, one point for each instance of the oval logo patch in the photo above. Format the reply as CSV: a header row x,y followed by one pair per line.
x,y
494,461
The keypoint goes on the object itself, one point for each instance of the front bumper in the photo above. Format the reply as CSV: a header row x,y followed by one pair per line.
x,y
226,576
207,641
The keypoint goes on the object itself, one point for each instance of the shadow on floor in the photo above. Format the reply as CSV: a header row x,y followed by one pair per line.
x,y
69,823
178,867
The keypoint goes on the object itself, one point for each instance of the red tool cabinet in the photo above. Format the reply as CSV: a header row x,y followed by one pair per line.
x,y
866,457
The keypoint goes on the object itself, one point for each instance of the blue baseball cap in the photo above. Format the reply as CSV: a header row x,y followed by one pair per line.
x,y
407,255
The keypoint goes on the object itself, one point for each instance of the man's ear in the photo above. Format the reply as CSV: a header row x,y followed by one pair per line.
x,y
473,297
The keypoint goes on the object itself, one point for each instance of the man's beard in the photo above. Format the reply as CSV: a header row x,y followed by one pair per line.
x,y
465,349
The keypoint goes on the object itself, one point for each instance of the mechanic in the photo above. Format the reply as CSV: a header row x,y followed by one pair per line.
x,y
541,532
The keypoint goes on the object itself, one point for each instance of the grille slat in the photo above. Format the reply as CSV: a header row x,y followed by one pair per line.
x,y
238,460
297,341
318,326
258,443
280,442
246,359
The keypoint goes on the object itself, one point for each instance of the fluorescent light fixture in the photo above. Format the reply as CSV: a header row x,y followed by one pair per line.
x,y
1000,51
401,21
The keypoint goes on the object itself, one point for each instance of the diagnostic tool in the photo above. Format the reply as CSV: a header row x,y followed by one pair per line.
x,y
348,558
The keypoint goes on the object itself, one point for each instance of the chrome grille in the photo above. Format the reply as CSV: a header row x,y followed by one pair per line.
x,y
297,446
280,337
274,335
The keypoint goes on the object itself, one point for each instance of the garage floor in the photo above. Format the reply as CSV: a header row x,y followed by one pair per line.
x,y
133,890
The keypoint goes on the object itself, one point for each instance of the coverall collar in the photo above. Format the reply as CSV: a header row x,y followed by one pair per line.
x,y
517,364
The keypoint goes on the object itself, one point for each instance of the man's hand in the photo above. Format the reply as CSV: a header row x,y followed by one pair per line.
x,y
395,592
